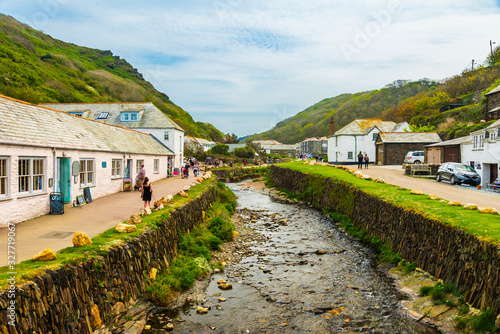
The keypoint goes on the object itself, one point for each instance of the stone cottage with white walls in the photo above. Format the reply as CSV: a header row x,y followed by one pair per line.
x,y
141,116
483,153
345,144
44,151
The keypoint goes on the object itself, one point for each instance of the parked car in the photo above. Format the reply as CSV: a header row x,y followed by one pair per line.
x,y
414,157
457,173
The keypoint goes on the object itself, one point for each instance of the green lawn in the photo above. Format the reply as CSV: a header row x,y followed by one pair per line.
x,y
484,226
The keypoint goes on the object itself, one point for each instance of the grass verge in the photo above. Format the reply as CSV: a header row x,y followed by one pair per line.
x,y
27,270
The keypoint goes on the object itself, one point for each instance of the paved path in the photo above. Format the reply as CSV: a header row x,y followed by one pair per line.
x,y
464,194
56,231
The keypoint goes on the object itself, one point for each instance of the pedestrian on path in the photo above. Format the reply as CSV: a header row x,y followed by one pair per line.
x,y
146,192
367,161
360,160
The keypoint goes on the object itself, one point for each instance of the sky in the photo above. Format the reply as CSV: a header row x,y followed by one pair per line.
x,y
246,65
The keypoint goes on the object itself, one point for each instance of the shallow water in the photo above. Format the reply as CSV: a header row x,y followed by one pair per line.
x,y
287,287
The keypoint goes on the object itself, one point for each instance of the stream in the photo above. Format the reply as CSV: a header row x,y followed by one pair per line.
x,y
303,274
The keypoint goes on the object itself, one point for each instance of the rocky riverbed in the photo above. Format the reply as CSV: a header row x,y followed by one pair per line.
x,y
291,270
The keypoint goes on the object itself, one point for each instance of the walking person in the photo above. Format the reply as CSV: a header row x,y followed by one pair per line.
x,y
360,160
146,192
139,180
367,161
196,169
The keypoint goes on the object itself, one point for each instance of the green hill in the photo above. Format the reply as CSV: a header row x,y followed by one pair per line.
x,y
37,68
422,104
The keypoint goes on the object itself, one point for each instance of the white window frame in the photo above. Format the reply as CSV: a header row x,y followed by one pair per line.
x,y
85,172
156,166
4,177
76,113
350,155
129,116
33,183
116,168
138,164
166,135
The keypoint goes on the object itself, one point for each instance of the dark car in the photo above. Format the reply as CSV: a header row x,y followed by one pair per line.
x,y
457,173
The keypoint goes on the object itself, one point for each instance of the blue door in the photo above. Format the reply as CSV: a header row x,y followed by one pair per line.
x,y
65,179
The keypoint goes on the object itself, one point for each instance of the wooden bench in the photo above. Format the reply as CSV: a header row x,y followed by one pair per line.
x,y
415,168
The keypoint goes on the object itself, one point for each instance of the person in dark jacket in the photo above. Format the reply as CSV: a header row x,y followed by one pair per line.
x,y
360,160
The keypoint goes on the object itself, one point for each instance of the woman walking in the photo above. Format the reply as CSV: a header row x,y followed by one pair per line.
x,y
146,192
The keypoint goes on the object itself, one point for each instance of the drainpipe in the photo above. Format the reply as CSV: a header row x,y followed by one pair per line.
x,y
55,184
355,148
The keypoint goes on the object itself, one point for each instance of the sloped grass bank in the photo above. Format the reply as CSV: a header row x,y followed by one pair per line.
x,y
195,248
454,244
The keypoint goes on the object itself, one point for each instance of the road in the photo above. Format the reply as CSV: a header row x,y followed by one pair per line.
x,y
464,194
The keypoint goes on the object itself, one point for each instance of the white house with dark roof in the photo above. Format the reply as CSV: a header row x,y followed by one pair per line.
x,y
142,116
483,152
359,136
45,151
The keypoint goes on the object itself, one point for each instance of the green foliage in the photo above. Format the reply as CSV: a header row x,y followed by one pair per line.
x,y
220,149
483,322
221,228
325,158
440,293
37,68
244,152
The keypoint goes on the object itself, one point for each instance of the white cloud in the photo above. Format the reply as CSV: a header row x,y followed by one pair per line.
x,y
244,66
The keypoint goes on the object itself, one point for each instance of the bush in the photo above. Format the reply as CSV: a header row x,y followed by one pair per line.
x,y
220,228
244,152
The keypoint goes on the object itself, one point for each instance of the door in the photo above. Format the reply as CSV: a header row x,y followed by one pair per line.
x,y
493,172
64,181
128,169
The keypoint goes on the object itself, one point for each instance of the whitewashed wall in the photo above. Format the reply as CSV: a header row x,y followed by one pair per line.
x,y
490,154
17,207
175,142
347,144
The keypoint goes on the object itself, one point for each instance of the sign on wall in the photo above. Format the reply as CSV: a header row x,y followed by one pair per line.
x,y
75,168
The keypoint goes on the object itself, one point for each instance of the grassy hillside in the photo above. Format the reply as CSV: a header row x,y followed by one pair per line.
x,y
314,121
37,68
418,103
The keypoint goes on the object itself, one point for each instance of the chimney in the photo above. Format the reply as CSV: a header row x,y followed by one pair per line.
x,y
332,126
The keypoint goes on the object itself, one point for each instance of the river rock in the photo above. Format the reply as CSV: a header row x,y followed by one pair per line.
x,y
95,317
416,192
455,203
118,308
379,180
488,210
169,326
225,286
234,234
201,310
470,206
222,299
320,252
434,197
81,239
146,211
125,228
134,219
182,194
46,255
221,281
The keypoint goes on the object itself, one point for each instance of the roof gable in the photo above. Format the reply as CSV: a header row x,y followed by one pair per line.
x,y
365,126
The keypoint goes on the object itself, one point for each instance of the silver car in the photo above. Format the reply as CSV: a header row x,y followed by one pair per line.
x,y
457,173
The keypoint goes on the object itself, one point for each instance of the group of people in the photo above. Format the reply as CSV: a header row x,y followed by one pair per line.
x,y
363,159
190,164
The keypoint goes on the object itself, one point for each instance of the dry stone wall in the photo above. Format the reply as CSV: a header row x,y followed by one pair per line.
x,y
76,299
239,174
446,252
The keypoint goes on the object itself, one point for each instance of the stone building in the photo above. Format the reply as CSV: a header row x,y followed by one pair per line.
x,y
391,147
492,110
44,151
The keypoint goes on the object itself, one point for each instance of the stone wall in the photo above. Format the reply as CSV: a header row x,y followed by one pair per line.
x,y
74,299
446,252
239,174
394,154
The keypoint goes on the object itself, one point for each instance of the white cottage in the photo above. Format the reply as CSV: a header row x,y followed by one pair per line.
x,y
483,152
45,151
359,136
142,116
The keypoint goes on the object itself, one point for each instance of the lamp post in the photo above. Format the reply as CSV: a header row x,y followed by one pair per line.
x,y
491,47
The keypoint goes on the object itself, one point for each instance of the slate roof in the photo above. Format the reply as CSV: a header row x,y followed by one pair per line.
x,y
451,142
495,90
150,117
364,126
408,137
31,125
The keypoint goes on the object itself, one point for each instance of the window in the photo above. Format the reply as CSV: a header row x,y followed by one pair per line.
x,y
157,166
138,164
336,141
87,172
349,155
166,135
180,144
116,168
129,116
4,177
31,175
375,135
103,115
76,113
